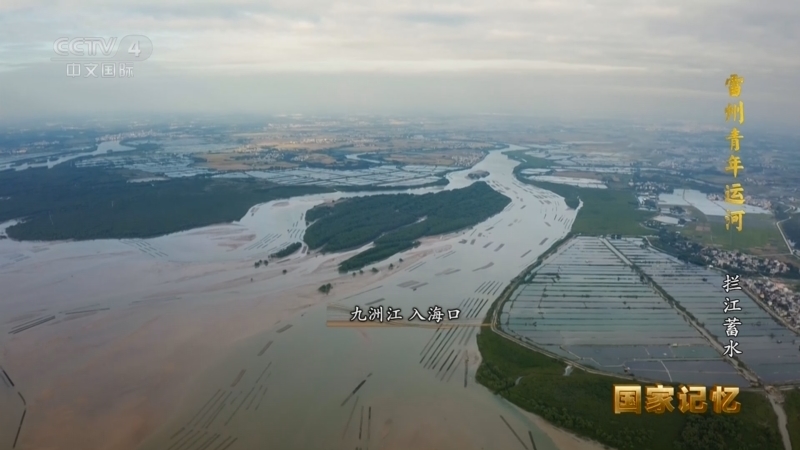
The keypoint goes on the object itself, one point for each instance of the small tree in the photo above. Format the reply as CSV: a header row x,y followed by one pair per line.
x,y
391,266
284,271
374,270
361,271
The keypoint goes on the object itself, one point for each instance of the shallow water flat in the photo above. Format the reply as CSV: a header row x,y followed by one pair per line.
x,y
265,367
586,300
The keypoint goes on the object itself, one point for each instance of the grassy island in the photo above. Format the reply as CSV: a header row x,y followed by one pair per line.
x,y
395,222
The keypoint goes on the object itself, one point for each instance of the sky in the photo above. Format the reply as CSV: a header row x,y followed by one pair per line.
x,y
640,59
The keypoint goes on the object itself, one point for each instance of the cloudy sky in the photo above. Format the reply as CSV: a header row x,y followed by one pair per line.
x,y
645,59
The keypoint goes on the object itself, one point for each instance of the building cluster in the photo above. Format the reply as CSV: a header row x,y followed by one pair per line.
x,y
300,158
780,299
758,182
760,202
249,148
737,262
259,150
315,140
651,187
32,146
259,155
128,135
743,263
687,163
756,273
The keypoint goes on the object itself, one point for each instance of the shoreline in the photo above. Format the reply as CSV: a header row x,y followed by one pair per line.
x,y
170,321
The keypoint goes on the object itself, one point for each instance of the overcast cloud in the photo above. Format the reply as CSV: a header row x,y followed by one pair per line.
x,y
610,58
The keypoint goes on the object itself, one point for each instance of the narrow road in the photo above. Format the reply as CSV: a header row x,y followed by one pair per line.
x,y
788,245
776,399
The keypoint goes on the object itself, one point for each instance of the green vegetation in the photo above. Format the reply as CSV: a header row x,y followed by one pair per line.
x,y
791,228
258,263
782,211
381,251
759,234
70,203
288,250
582,402
527,161
604,211
140,147
395,222
683,181
440,182
792,407
325,288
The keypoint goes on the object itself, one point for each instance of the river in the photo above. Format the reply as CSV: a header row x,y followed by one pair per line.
x,y
294,383
309,370
54,160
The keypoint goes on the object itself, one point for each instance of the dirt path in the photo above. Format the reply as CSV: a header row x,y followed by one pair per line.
x,y
776,399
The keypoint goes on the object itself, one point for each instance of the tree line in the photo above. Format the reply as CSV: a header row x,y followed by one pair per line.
x,y
396,222
791,228
66,202
582,402
286,251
